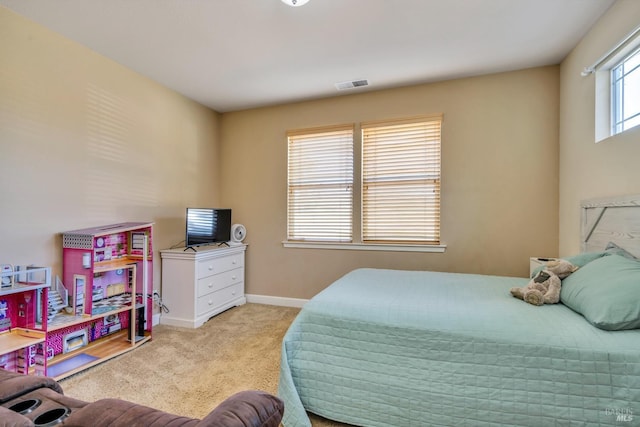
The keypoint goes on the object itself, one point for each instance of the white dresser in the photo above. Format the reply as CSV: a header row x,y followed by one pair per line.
x,y
197,285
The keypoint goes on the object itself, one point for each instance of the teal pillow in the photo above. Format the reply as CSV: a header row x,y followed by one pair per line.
x,y
613,249
584,258
606,292
577,260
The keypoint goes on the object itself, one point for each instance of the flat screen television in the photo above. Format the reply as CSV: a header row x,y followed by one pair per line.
x,y
207,225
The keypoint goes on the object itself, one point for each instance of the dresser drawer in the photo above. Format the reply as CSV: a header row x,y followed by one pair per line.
x,y
216,282
211,301
207,267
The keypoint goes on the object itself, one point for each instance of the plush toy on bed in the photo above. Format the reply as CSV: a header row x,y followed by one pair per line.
x,y
544,288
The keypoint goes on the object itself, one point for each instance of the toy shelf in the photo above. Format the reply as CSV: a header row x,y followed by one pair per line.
x,y
19,338
68,320
21,287
121,263
25,279
99,351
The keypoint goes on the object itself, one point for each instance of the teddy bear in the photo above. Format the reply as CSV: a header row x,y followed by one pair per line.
x,y
544,287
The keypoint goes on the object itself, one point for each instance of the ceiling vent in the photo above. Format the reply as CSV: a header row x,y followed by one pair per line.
x,y
352,84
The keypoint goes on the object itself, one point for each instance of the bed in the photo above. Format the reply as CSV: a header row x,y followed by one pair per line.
x,y
419,348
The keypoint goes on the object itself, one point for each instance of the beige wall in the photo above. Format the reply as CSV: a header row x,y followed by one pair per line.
x,y
499,178
85,142
587,169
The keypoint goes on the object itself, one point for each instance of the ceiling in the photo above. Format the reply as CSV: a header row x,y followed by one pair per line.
x,y
236,54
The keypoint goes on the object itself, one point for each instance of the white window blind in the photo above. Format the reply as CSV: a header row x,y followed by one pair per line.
x,y
401,181
320,184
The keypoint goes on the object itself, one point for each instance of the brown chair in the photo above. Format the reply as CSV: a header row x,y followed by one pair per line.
x,y
27,400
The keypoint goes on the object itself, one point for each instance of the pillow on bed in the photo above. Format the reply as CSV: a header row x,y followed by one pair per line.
x,y
577,260
585,258
606,292
613,249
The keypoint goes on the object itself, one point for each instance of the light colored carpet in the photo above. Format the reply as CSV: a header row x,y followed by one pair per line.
x,y
190,371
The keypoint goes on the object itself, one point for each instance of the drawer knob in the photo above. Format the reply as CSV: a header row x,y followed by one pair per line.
x,y
233,277
210,302
233,293
210,285
210,267
233,262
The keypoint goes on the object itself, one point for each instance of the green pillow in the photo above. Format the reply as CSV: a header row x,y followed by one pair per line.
x,y
584,258
606,292
613,249
577,260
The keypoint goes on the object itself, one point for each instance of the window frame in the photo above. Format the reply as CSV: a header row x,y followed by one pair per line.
x,y
411,188
357,242
619,76
320,173
602,69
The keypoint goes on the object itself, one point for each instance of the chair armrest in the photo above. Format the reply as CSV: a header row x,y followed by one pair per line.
x,y
246,409
14,385
9,418
122,413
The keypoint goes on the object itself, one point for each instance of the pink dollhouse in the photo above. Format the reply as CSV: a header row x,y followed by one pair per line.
x,y
104,309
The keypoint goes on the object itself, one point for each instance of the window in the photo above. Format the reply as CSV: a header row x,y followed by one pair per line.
x,y
320,185
390,201
617,87
401,181
625,93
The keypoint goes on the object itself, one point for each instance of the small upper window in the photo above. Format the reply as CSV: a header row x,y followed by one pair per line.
x,y
625,93
617,87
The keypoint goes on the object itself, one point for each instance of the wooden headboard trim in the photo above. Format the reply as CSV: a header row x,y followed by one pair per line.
x,y
611,219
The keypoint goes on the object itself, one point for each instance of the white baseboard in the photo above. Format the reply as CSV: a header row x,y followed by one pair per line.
x,y
253,299
281,301
256,299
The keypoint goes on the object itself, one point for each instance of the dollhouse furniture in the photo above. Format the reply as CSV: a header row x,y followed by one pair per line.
x,y
200,282
39,401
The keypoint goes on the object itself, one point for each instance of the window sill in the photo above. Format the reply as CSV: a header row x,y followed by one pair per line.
x,y
390,247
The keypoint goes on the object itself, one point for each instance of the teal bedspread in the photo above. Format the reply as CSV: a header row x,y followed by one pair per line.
x,y
415,348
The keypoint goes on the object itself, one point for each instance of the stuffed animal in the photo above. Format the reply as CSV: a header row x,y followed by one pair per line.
x,y
544,288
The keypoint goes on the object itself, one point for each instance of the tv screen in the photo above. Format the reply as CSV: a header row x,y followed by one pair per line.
x,y
207,225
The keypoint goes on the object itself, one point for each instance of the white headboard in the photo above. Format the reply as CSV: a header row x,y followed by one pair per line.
x,y
612,219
